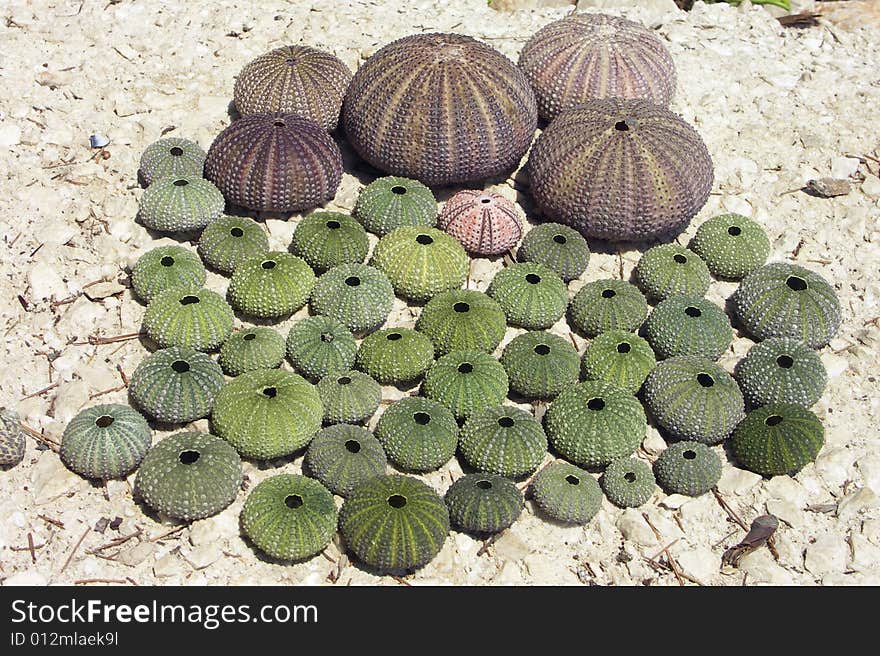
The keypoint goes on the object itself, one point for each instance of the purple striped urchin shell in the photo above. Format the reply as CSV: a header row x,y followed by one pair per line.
x,y
483,222
275,162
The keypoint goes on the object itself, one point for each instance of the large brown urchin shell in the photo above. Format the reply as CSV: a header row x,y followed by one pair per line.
x,y
294,79
594,56
483,222
275,163
441,108
621,170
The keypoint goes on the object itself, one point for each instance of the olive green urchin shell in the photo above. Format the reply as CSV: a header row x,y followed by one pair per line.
x,y
395,355
779,438
254,348
503,440
289,517
787,300
463,319
166,267
343,456
531,295
189,476
690,468
267,413
12,442
271,285
688,325
420,261
628,482
176,385
394,523
539,364
466,381
357,295
441,108
171,157
328,239
567,493
349,397
692,398
393,202
561,249
105,441
620,358
180,204
180,316
418,434
670,269
608,304
781,370
483,503
320,346
731,245
230,240
592,423
294,79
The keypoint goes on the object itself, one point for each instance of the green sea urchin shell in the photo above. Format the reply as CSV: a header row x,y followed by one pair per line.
x,y
731,245
328,239
418,434
687,325
171,157
344,456
230,240
779,438
349,397
567,493
608,304
271,285
395,355
690,468
180,204
462,319
180,316
503,440
781,370
531,295
166,267
12,442
357,295
254,348
558,247
483,503
620,358
393,202
466,381
539,364
670,269
105,441
628,482
320,346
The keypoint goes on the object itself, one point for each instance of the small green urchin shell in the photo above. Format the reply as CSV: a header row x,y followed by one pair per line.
x,y
466,381
180,316
618,357
230,240
12,442
176,385
781,370
395,355
608,304
688,325
567,493
393,202
483,503
628,482
320,346
503,440
105,441
394,523
254,348
463,319
418,434
593,422
531,295
787,300
690,468
327,239
267,413
271,285
539,364
171,157
289,517
693,398
558,247
420,261
670,269
357,295
180,204
189,476
166,267
731,245
349,397
779,438
344,456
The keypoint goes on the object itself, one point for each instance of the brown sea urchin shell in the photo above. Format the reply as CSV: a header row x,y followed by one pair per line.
x,y
275,163
483,222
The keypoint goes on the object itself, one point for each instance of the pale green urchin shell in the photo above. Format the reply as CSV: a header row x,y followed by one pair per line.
x,y
271,285
483,503
327,239
608,304
466,381
688,325
356,295
531,295
670,269
344,456
558,247
462,319
628,482
395,356
503,440
230,240
567,493
689,468
254,348
540,364
105,441
180,204
781,370
731,245
171,157
180,316
166,267
393,202
418,434
320,346
779,438
349,397
618,357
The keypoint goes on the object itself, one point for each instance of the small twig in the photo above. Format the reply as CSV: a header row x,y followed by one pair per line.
x,y
573,340
89,581
42,391
70,557
97,339
106,391
176,529
122,373
50,520
40,437
488,543
31,548
672,564
401,581
328,557
525,484
729,510
115,542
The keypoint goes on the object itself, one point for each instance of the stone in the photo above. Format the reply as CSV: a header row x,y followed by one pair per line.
x,y
833,466
137,554
787,489
675,501
737,481
698,562
871,530
653,8
167,566
547,571
201,557
633,527
44,281
869,467
827,555
10,135
834,364
510,547
653,444
786,512
29,577
865,555
871,186
844,167
861,499
103,290
212,530
761,568
50,479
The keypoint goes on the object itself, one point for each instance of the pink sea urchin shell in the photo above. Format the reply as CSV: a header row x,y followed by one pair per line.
x,y
484,222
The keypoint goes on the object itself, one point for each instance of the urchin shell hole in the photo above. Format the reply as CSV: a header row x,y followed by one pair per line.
x,y
343,380
326,337
773,420
693,312
422,418
785,361
571,479
505,422
542,349
796,284
293,501
352,281
249,337
734,231
425,240
484,484
461,307
533,279
629,477
559,239
237,232
270,392
465,368
188,457
621,126
181,183
397,501
624,347
334,225
705,380
689,455
485,200
597,403
608,293
167,261
393,337
352,446
103,421
189,300
678,258
269,264
180,366
177,151
278,124
397,189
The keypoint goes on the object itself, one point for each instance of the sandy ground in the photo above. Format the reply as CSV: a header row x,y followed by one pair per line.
x,y
776,107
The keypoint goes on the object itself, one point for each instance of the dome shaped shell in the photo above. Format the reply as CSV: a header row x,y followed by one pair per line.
x,y
462,319
531,295
485,223
441,108
12,442
628,482
503,440
689,468
294,80
230,240
567,493
586,57
349,397
558,247
320,346
166,267
358,296
271,285
466,381
620,358
686,325
778,438
343,456
395,355
608,304
275,163
483,503
670,269
171,158
583,170
540,364
392,202
105,441
180,204
328,239
253,348
731,245
781,370
418,434
180,316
